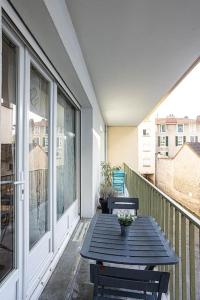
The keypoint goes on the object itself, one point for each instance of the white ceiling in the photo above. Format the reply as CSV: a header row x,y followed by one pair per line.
x,y
135,50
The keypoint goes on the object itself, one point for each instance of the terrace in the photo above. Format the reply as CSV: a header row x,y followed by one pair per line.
x,y
71,279
78,78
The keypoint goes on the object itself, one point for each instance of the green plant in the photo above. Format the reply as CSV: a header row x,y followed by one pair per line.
x,y
125,218
106,172
107,191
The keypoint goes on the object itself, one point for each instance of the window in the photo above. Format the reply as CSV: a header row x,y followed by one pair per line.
x,y
36,130
146,132
146,162
45,142
162,141
162,128
36,141
194,139
180,140
180,128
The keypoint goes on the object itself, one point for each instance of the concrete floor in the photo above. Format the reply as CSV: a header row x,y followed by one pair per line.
x,y
70,279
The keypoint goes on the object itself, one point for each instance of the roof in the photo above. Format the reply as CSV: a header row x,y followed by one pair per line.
x,y
173,120
195,147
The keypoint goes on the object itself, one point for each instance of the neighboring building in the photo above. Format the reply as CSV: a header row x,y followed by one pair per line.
x,y
146,149
179,178
186,176
172,133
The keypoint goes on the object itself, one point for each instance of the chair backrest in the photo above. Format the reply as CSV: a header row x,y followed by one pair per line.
x,y
123,203
135,280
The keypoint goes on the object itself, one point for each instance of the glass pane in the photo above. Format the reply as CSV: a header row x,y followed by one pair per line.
x,y
38,156
65,158
7,159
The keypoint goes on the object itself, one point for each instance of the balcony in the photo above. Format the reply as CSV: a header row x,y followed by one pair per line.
x,y
71,278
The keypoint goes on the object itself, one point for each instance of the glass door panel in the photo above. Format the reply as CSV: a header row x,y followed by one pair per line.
x,y
65,155
38,156
8,116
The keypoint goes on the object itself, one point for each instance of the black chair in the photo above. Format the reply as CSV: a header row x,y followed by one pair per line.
x,y
135,284
123,203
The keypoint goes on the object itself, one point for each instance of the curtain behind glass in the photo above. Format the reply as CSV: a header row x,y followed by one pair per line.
x,y
65,159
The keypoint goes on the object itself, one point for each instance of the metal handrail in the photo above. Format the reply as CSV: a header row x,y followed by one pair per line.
x,y
178,206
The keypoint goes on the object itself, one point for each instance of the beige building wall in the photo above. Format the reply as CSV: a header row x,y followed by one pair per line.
x,y
123,146
187,173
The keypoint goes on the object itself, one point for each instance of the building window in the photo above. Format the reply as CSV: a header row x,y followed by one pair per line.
x,y
194,139
180,140
162,141
162,128
146,162
180,128
146,132
36,141
36,130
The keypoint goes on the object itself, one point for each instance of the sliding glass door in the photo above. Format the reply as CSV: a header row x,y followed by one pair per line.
x,y
65,155
66,167
10,169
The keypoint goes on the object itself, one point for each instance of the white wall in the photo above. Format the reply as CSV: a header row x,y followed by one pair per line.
x,y
50,23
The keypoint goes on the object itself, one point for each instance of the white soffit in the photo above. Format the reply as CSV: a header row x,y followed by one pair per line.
x,y
135,51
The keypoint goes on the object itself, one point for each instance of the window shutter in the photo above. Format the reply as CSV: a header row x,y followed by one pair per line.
x,y
196,139
176,140
158,141
184,139
166,140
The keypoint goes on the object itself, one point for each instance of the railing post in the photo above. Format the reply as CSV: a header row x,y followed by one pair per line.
x,y
177,253
183,257
192,260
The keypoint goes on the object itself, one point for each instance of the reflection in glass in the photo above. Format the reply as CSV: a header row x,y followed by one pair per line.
x,y
65,156
38,156
7,158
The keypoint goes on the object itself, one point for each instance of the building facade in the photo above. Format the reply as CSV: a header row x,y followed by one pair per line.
x,y
52,139
146,149
172,133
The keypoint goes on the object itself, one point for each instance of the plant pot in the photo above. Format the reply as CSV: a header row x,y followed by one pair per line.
x,y
104,205
124,230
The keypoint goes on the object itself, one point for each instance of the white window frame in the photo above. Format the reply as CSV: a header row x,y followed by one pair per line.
x,y
161,128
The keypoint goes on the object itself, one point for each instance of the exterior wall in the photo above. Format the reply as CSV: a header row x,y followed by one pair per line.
x,y
123,146
146,148
51,27
186,176
179,179
164,174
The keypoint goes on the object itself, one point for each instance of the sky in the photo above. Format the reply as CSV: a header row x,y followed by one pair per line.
x,y
184,99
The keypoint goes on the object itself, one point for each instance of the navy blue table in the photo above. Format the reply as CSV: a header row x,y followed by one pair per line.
x,y
145,244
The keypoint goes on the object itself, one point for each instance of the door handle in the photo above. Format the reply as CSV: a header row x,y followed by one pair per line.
x,y
11,182
18,182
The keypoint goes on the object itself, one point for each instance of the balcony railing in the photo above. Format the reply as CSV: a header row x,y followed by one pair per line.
x,y
181,228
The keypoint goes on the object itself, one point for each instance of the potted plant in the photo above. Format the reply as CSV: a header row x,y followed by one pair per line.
x,y
106,188
125,219
106,191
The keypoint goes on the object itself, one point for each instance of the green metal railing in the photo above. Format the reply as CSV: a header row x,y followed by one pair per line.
x,y
181,228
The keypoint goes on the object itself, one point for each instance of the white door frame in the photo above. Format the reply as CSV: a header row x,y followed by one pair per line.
x,y
40,256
